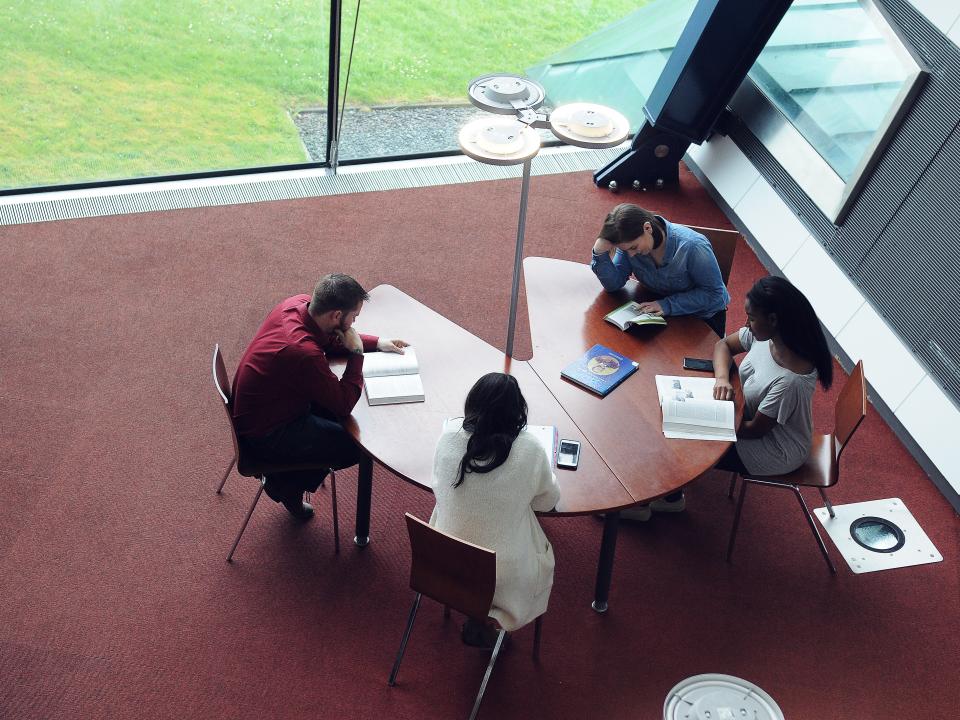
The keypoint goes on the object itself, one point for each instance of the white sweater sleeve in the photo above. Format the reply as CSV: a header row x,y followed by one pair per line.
x,y
548,491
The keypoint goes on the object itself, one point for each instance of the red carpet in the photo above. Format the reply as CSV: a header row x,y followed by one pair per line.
x,y
116,602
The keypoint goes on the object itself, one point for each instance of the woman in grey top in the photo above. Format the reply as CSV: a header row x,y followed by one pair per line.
x,y
786,355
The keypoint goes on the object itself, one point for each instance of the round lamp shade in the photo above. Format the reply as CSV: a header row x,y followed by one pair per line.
x,y
589,125
504,94
498,141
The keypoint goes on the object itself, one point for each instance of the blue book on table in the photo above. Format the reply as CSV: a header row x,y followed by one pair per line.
x,y
600,369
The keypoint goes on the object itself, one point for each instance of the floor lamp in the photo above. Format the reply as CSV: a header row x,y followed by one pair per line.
x,y
514,140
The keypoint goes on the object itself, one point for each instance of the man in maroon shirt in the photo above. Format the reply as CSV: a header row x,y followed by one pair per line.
x,y
287,402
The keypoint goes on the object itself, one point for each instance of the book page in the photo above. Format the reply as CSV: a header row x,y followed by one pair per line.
x,y
378,364
647,319
623,314
698,415
394,389
546,435
677,387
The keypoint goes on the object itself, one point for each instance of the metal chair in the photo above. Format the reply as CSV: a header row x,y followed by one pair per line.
x,y
459,575
724,243
249,466
822,468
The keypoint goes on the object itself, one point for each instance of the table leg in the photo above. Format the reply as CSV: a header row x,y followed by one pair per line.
x,y
364,493
608,546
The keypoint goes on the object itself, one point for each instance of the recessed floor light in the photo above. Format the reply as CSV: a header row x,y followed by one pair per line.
x,y
878,535
719,697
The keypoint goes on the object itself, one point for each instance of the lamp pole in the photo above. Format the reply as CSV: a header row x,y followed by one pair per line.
x,y
513,141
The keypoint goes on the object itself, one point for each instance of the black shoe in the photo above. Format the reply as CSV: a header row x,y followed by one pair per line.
x,y
299,509
478,634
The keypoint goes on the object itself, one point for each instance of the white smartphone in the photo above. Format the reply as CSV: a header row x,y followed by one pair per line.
x,y
569,454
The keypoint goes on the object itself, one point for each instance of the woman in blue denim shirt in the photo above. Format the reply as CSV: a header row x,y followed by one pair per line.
x,y
669,260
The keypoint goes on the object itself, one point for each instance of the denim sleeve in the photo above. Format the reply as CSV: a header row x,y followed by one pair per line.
x,y
613,274
708,295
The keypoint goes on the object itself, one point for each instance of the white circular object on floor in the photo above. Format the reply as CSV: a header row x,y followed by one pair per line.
x,y
719,697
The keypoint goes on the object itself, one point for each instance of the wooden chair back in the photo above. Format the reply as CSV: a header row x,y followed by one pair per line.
x,y
851,407
221,381
451,571
724,243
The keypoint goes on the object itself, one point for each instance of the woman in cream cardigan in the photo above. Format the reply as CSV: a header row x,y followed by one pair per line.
x,y
489,476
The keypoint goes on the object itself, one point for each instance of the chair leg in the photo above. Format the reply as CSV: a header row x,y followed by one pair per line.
x,y
736,517
537,627
826,500
813,528
403,643
226,474
486,676
733,484
336,517
243,527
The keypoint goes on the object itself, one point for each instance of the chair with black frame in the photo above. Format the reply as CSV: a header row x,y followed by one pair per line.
x,y
459,575
249,466
822,468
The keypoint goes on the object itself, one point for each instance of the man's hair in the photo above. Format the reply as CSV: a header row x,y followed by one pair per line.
x,y
337,291
625,224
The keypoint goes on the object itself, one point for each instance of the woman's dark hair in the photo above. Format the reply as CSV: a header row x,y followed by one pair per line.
x,y
797,322
495,413
625,224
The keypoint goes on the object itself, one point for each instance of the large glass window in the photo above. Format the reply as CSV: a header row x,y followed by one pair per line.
x,y
824,96
618,65
827,92
413,60
97,90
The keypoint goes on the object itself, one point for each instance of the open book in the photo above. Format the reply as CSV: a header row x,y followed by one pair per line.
x,y
546,435
392,377
690,412
629,314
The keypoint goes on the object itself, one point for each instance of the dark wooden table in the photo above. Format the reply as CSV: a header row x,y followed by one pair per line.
x,y
621,463
566,305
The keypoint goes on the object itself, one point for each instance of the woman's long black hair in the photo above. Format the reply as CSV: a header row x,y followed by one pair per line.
x,y
797,322
495,412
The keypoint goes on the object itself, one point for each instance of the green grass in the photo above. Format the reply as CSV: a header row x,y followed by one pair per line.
x,y
104,89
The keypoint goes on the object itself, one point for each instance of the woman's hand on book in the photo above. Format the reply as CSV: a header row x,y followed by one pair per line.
x,y
722,390
394,346
653,308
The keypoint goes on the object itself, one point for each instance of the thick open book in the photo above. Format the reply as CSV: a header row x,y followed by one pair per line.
x,y
546,435
629,314
690,412
390,378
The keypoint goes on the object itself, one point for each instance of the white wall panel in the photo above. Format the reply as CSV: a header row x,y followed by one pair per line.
x,y
769,217
934,422
729,170
827,288
955,33
889,366
942,13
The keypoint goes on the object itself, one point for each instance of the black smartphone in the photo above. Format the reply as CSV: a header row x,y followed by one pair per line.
x,y
698,364
569,455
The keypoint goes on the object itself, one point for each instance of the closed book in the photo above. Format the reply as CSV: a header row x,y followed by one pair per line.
x,y
599,370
